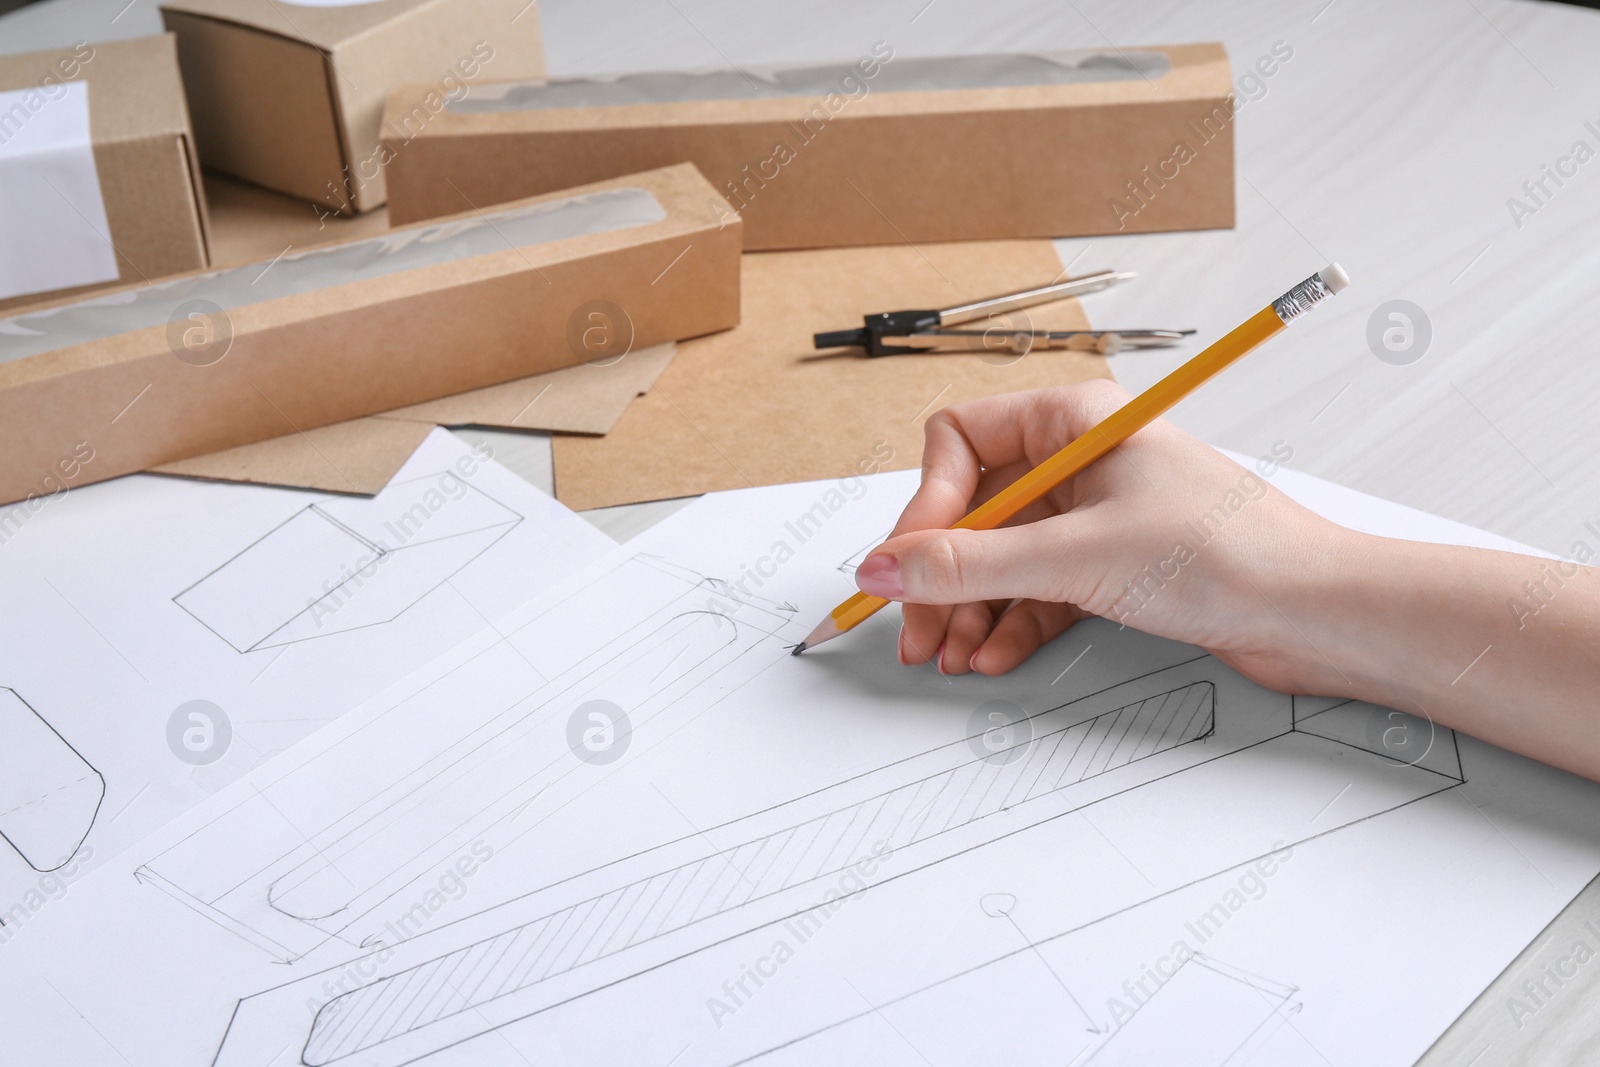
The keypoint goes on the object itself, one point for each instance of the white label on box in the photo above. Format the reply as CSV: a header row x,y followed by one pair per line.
x,y
53,228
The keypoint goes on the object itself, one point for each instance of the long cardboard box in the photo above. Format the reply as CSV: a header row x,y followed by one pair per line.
x,y
884,149
98,179
289,96
147,375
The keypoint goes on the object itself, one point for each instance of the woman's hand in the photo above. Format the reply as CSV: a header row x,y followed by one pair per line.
x,y
1164,534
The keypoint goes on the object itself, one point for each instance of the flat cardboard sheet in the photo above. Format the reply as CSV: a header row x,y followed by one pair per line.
x,y
362,455
757,405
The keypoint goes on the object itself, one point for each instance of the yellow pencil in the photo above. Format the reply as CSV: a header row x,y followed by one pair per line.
x,y
1117,428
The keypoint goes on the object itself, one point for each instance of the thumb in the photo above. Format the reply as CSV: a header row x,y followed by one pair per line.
x,y
1035,561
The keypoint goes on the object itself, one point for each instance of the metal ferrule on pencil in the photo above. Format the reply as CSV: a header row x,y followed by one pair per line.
x,y
1302,298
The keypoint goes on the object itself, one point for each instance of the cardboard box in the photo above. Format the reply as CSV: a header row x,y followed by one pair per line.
x,y
91,200
147,375
881,150
289,96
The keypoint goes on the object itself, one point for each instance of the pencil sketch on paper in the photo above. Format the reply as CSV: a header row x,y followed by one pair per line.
x,y
1242,1011
854,559
688,647
342,564
534,960
1192,1008
686,630
49,794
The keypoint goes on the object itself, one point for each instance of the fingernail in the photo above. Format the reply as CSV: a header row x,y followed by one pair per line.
x,y
938,657
972,664
879,575
902,648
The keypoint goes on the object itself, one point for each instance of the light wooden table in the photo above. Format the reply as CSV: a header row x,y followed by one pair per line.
x,y
1391,140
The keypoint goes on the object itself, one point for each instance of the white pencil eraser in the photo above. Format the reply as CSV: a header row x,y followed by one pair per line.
x,y
1334,277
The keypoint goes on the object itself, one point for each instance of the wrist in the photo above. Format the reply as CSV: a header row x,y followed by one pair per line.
x,y
1387,621
1328,600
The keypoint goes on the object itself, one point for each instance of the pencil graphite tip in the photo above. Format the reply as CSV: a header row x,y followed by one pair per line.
x,y
826,631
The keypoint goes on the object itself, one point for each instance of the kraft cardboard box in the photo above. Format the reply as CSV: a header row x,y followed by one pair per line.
x,y
97,169
142,376
290,95
881,149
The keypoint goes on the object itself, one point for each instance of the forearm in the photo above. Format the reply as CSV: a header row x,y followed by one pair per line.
x,y
1501,646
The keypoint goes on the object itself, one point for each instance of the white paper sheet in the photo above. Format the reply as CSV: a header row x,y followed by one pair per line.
x,y
159,636
53,228
630,828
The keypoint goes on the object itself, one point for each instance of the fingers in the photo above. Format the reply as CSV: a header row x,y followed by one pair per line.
x,y
958,586
951,469
990,637
922,632
968,442
1025,627
1036,561
969,627
1026,427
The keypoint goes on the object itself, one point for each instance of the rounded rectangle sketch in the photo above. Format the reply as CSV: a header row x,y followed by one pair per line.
x,y
49,794
339,565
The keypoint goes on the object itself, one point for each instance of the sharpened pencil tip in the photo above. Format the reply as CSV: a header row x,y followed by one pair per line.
x,y
825,631
797,649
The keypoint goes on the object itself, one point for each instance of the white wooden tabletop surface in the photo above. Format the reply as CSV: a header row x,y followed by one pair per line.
x,y
1393,139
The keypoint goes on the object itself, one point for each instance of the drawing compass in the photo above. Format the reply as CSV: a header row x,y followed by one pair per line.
x,y
893,333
